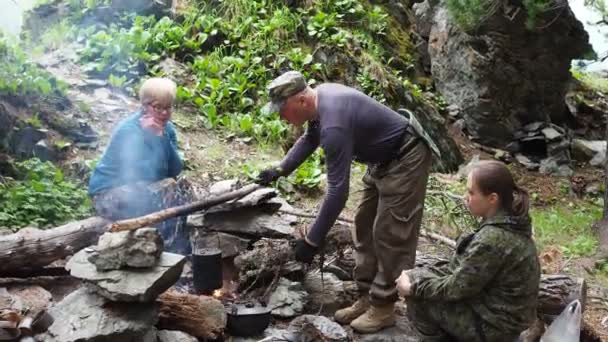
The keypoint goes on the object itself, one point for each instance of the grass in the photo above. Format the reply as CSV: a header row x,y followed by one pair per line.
x,y
568,226
591,80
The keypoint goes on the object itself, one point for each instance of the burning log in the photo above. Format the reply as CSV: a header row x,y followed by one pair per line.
x,y
200,316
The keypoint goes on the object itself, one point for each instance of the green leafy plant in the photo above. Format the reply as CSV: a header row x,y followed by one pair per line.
x,y
41,198
309,175
20,77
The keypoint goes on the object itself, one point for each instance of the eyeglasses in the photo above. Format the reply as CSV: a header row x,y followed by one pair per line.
x,y
158,108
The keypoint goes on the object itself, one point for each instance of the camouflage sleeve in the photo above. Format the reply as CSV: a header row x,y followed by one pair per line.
x,y
478,264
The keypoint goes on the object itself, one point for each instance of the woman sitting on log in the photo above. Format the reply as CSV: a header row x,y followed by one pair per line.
x,y
488,290
135,174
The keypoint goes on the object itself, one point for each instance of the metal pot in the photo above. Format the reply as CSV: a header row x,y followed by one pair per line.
x,y
207,269
247,319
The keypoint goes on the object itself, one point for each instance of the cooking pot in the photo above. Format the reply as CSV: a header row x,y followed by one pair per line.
x,y
247,319
207,269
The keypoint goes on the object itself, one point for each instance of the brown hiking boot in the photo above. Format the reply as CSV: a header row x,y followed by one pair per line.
x,y
375,319
346,315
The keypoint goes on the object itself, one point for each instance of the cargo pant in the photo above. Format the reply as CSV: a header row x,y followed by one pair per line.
x,y
451,321
140,199
388,220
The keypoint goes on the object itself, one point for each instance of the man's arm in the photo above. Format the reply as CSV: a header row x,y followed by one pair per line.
x,y
302,149
479,264
338,148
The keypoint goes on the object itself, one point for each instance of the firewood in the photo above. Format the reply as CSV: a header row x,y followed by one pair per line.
x,y
200,316
163,215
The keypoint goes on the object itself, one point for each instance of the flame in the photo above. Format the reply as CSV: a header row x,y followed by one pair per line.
x,y
219,293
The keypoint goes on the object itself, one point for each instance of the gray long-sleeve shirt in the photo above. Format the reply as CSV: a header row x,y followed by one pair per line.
x,y
351,125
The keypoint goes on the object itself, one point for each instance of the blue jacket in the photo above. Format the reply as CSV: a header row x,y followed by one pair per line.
x,y
135,155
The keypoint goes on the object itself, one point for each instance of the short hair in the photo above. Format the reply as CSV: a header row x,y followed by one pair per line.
x,y
157,89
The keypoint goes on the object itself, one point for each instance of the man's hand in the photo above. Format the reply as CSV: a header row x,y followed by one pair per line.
x,y
152,124
305,252
268,176
404,285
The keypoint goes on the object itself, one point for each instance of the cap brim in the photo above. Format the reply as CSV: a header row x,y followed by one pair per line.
x,y
270,108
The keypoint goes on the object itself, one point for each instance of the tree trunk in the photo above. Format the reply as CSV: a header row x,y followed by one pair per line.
x,y
33,248
557,291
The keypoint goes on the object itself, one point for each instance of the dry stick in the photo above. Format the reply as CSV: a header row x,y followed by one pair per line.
x,y
151,219
445,240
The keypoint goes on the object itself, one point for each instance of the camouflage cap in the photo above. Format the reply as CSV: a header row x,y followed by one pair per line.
x,y
282,88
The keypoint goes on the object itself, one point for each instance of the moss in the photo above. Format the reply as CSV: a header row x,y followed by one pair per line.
x,y
398,43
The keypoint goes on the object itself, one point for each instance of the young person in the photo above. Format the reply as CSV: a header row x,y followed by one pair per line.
x,y
488,290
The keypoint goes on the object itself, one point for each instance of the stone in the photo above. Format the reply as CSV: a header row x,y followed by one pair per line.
x,y
32,298
174,336
329,294
44,152
317,328
141,248
288,299
252,221
132,285
403,331
223,186
599,160
23,141
533,127
495,72
230,245
587,150
594,188
549,166
551,133
525,161
86,316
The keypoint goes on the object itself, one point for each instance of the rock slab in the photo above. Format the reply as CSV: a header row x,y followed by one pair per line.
x,y
128,285
288,300
85,316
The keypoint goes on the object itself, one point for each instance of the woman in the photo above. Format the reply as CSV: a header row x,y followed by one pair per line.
x,y
488,290
142,151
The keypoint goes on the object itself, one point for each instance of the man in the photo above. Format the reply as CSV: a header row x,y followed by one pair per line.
x,y
348,125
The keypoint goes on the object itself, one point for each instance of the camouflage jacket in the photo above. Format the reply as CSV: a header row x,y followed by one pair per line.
x,y
495,271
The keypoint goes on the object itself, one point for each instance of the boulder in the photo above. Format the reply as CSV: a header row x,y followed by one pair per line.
x,y
128,285
85,316
504,75
141,248
589,150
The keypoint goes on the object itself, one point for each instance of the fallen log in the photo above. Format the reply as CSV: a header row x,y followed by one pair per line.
x,y
34,248
163,215
200,316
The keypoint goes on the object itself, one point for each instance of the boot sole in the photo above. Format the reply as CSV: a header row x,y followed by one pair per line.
x,y
371,331
346,321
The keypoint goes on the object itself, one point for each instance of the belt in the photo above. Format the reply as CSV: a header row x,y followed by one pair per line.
x,y
406,143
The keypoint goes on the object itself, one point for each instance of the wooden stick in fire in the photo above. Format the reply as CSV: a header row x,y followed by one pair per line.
x,y
163,215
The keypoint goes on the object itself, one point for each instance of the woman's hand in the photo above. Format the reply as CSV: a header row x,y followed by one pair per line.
x,y
151,123
404,286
